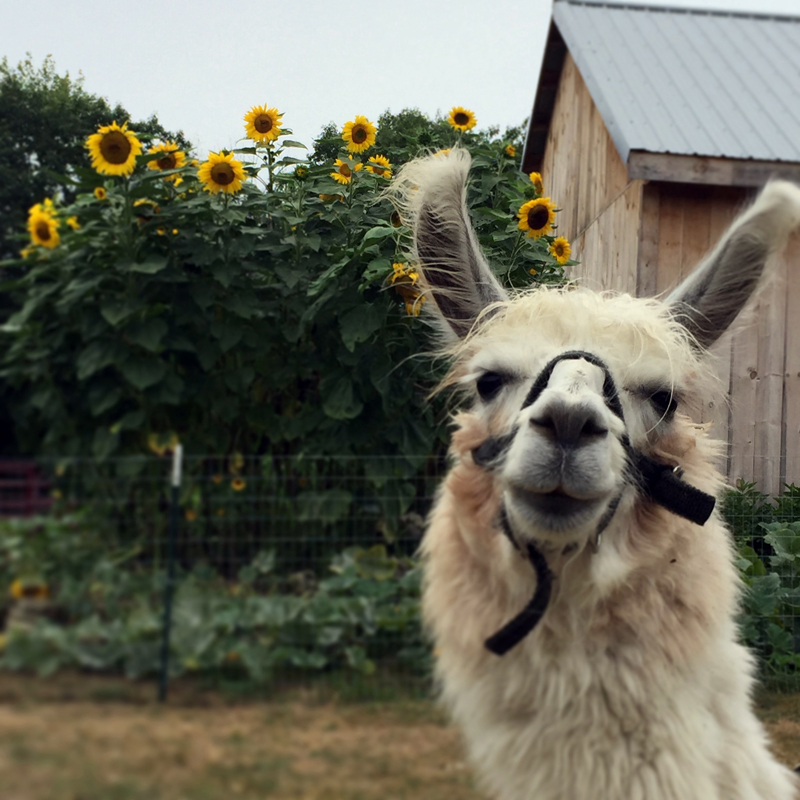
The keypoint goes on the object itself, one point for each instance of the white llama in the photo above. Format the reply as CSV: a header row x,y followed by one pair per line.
x,y
578,481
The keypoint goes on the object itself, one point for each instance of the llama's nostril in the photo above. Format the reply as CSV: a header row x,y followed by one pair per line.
x,y
570,425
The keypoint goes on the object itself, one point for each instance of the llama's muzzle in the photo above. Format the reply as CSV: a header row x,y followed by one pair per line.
x,y
659,483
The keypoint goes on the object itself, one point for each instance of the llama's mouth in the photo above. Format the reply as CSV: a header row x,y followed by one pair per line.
x,y
556,510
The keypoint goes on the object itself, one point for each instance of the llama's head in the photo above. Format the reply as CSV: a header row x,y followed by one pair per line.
x,y
564,385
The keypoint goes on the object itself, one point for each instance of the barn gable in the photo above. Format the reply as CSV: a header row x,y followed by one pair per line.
x,y
651,128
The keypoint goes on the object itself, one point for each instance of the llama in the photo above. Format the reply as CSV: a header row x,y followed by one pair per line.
x,y
579,479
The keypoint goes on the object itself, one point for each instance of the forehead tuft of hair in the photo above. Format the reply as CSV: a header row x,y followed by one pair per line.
x,y
633,335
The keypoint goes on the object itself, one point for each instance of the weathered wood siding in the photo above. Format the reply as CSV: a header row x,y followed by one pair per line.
x,y
644,238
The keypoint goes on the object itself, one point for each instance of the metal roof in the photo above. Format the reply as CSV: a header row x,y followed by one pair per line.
x,y
683,81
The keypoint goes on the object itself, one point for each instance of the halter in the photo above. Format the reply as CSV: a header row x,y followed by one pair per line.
x,y
660,483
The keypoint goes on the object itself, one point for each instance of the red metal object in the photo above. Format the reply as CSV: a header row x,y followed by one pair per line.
x,y
23,490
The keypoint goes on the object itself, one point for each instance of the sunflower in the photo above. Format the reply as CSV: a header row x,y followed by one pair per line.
x,y
379,165
263,124
561,250
25,588
462,119
536,180
537,217
171,158
42,225
359,134
221,173
511,151
162,443
114,149
73,223
404,281
100,193
237,484
344,172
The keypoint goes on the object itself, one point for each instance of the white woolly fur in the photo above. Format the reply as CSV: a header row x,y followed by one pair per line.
x,y
634,685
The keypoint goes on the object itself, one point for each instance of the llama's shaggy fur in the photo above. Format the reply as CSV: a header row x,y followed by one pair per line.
x,y
634,685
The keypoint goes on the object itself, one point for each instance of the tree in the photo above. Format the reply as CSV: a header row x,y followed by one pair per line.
x,y
44,121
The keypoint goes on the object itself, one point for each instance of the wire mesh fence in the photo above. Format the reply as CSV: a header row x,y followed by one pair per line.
x,y
288,570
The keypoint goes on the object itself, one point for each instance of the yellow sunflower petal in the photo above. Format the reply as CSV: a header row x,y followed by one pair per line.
x,y
379,165
263,124
221,173
536,217
359,134
344,172
462,119
561,250
113,149
43,227
170,157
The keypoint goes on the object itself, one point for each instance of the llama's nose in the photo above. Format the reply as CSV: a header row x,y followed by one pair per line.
x,y
569,424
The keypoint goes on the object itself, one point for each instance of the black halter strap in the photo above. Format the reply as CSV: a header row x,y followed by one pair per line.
x,y
660,483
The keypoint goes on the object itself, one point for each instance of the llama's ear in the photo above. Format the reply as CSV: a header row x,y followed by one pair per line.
x,y
708,301
431,195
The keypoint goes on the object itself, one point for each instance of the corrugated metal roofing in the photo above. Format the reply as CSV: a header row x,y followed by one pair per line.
x,y
691,82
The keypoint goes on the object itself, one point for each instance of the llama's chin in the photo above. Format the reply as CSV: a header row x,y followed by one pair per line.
x,y
553,516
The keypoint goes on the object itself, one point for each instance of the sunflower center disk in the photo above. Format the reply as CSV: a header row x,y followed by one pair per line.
x,y
115,147
166,162
43,230
345,170
222,174
538,217
359,135
263,123
461,119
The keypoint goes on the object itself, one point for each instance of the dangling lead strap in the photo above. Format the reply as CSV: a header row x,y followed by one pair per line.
x,y
659,482
513,632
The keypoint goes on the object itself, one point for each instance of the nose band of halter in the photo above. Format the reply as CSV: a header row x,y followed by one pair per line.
x,y
610,394
660,483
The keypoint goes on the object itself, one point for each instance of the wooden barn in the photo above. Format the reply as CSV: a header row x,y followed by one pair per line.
x,y
651,127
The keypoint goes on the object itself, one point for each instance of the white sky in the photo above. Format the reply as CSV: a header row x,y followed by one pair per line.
x,y
200,65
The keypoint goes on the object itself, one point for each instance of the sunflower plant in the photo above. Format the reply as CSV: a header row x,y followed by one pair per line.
x,y
250,301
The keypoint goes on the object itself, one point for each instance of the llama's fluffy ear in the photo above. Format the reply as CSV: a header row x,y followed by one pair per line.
x,y
430,194
709,300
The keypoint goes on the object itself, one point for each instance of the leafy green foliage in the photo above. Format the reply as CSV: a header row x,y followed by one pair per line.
x,y
767,535
44,121
105,610
258,322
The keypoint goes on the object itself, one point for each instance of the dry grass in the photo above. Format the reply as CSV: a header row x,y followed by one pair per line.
x,y
79,738
101,739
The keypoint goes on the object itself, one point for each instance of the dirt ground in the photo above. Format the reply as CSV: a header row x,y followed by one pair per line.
x,y
82,738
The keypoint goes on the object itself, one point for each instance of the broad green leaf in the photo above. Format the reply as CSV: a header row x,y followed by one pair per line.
x,y
339,400
150,266
114,311
143,372
359,323
377,233
148,334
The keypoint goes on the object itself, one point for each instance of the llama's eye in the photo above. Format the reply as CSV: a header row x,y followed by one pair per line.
x,y
489,384
664,403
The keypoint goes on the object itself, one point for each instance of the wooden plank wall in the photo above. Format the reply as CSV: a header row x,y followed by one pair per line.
x,y
582,171
755,362
644,238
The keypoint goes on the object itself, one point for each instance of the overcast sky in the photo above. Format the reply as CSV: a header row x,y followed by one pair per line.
x,y
200,65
